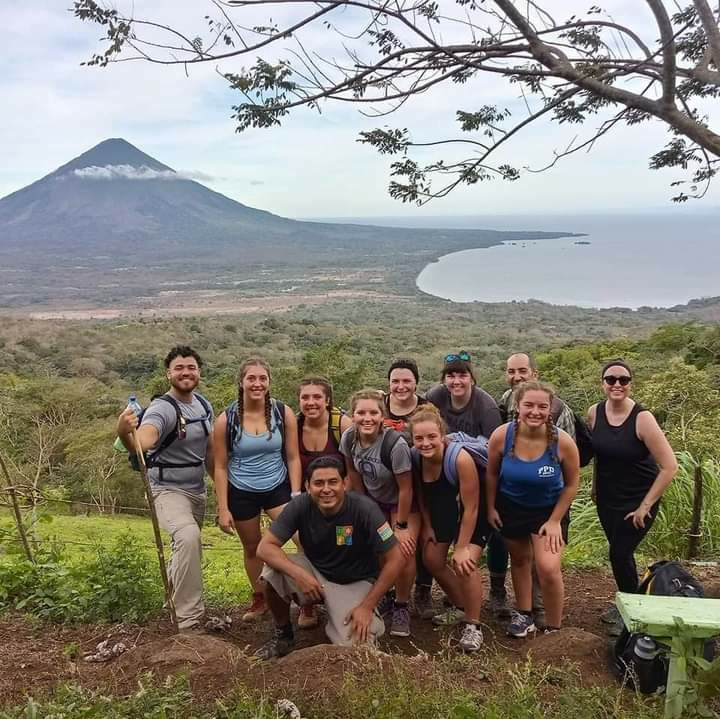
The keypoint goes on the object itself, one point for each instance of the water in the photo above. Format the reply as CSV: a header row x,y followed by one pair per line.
x,y
658,260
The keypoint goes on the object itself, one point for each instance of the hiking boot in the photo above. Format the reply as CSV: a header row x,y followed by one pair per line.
x,y
539,618
400,624
498,605
521,625
256,609
449,618
307,617
611,615
422,601
471,638
280,644
196,628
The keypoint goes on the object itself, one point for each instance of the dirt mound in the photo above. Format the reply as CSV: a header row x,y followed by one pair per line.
x,y
200,657
585,649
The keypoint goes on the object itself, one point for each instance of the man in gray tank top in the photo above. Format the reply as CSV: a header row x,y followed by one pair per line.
x,y
179,452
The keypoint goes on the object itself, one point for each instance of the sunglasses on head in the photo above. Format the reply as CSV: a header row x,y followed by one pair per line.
x,y
454,357
623,380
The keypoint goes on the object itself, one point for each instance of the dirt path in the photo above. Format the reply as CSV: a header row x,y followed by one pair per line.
x,y
35,658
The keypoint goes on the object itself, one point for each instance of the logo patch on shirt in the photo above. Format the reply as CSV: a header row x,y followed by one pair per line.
x,y
384,532
343,535
546,471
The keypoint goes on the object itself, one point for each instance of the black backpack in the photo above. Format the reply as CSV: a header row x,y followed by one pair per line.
x,y
232,425
152,457
583,440
664,579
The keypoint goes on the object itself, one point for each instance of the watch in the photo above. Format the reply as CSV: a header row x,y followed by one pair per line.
x,y
401,525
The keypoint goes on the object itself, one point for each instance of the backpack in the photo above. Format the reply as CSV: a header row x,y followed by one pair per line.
x,y
583,440
389,440
476,447
176,434
665,579
336,415
232,425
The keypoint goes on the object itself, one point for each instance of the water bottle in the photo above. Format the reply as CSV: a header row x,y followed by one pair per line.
x,y
136,407
644,653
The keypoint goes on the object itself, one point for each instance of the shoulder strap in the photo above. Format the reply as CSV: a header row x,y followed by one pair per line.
x,y
172,435
230,426
389,440
452,450
278,411
336,415
508,437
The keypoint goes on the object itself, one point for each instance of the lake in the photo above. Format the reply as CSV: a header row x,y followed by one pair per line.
x,y
656,259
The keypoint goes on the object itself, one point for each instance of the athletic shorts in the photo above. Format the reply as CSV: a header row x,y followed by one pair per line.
x,y
388,509
519,521
248,505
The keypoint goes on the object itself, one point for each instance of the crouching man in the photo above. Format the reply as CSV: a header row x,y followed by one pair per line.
x,y
351,558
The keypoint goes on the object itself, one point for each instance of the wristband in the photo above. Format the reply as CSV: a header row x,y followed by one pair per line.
x,y
294,494
401,525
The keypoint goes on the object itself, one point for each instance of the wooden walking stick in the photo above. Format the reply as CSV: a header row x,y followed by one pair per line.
x,y
156,530
16,512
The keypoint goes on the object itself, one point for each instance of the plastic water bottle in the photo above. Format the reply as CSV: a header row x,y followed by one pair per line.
x,y
136,407
644,653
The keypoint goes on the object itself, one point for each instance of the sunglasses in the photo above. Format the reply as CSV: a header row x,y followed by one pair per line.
x,y
623,380
454,357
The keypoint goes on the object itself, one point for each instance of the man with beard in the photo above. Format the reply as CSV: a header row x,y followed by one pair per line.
x,y
175,435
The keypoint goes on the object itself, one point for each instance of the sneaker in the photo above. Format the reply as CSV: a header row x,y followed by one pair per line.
x,y
471,638
256,609
422,601
611,615
400,625
498,605
278,645
449,618
307,617
196,628
539,618
521,625
386,606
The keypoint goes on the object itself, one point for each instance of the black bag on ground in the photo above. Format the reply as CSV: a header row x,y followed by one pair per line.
x,y
634,660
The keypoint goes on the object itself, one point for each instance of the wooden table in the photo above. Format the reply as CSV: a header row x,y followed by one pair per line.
x,y
666,619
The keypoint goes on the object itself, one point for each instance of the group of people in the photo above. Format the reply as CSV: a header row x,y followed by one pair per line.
x,y
401,490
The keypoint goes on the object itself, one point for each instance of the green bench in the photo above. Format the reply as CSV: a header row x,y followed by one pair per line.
x,y
665,619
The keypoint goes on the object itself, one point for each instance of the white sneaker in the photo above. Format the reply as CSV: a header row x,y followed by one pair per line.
x,y
471,639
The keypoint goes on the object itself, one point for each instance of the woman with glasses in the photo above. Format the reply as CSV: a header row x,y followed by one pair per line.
x,y
634,464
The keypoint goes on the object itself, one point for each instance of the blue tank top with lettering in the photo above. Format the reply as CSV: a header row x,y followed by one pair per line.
x,y
530,483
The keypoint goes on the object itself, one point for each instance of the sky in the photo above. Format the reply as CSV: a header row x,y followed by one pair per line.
x,y
312,166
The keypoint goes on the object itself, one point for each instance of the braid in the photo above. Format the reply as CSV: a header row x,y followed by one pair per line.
x,y
268,417
516,429
240,410
552,438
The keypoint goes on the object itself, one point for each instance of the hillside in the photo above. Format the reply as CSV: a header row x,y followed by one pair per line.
x,y
115,221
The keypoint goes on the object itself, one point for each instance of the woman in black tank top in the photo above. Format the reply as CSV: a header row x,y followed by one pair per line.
x,y
634,464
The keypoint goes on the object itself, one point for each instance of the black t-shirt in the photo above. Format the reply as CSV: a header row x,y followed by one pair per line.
x,y
343,547
400,422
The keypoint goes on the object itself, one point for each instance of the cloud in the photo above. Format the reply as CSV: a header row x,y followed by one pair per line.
x,y
128,172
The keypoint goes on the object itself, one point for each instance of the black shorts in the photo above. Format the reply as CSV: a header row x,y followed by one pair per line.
x,y
248,505
519,521
446,514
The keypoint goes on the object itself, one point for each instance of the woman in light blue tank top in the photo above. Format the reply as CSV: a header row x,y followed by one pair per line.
x,y
257,466
532,478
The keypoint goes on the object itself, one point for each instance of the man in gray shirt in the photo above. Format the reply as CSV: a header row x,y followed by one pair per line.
x,y
176,436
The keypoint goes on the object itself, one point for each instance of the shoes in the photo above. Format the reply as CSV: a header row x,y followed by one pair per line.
x,y
539,618
279,645
422,601
521,625
196,628
471,638
548,630
498,605
307,617
611,615
256,609
449,618
386,606
400,624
